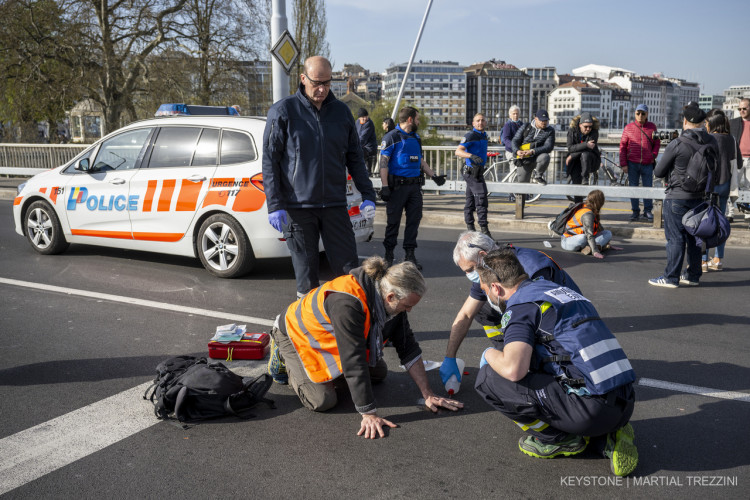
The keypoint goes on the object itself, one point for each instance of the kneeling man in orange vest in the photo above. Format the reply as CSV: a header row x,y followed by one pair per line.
x,y
339,329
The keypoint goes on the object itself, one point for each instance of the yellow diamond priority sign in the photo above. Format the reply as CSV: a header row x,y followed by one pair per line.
x,y
285,51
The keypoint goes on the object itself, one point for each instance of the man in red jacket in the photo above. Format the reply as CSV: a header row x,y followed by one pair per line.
x,y
638,151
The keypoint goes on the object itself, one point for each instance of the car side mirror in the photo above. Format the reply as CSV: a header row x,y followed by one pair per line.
x,y
83,165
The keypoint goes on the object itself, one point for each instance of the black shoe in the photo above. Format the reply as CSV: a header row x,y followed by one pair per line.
x,y
485,230
471,227
411,258
634,217
540,180
389,257
730,219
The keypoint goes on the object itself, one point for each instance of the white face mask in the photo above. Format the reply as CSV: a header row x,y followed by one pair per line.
x,y
473,276
496,307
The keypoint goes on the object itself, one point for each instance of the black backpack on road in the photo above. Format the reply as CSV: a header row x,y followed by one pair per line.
x,y
193,389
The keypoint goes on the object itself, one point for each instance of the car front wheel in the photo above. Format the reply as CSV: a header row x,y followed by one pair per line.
x,y
224,248
43,229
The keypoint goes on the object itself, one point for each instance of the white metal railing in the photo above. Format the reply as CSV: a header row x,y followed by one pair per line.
x,y
30,159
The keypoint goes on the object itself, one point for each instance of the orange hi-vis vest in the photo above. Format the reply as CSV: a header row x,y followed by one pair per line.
x,y
310,329
574,225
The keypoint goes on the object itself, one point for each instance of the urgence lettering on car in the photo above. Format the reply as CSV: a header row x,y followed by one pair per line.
x,y
80,195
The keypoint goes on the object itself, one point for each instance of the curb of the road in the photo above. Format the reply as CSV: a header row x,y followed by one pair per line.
x,y
739,237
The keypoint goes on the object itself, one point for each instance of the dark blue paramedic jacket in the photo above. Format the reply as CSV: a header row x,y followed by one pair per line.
x,y
578,347
475,143
307,153
404,152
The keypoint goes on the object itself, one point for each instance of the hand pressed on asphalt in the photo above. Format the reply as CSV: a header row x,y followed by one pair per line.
x,y
372,426
433,402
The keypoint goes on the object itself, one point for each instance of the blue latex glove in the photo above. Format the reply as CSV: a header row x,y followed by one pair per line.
x,y
448,368
483,360
367,208
277,219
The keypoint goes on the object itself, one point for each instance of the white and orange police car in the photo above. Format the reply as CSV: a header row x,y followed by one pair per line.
x,y
187,185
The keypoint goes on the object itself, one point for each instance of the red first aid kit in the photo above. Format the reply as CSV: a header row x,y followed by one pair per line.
x,y
252,346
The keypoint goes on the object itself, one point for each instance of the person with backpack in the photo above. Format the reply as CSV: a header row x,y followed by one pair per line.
x,y
470,248
561,376
730,158
684,193
337,331
584,232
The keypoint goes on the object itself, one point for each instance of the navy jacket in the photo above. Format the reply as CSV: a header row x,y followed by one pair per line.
x,y
673,164
307,154
367,138
508,132
542,141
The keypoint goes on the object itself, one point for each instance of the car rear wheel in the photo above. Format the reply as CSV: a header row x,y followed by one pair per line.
x,y
43,229
224,248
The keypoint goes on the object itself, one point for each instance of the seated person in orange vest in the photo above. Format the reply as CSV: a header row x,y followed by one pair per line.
x,y
584,232
338,330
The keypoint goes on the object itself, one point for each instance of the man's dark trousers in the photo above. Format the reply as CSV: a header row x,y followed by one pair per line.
x,y
585,165
540,406
306,227
404,197
476,199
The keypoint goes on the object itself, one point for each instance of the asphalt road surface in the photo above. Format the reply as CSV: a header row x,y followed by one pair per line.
x,y
82,332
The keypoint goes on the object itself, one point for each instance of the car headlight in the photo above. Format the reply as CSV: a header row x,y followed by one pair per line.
x,y
20,187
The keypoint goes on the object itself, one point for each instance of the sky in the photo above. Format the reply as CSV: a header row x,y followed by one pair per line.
x,y
699,41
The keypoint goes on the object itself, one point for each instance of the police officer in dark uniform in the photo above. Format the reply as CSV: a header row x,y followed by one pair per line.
x,y
473,149
401,167
561,375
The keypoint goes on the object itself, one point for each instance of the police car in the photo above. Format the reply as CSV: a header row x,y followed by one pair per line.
x,y
183,185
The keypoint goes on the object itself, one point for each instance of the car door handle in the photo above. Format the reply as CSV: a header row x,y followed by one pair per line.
x,y
117,181
197,178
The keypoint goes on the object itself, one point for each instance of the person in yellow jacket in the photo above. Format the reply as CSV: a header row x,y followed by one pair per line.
x,y
339,329
584,232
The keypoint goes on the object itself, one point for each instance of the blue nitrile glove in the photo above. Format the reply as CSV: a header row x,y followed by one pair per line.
x,y
448,368
483,360
367,208
277,219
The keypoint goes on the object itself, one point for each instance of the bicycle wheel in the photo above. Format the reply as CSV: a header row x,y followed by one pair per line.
x,y
530,198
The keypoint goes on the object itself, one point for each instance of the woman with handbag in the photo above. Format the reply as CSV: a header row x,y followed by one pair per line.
x,y
717,124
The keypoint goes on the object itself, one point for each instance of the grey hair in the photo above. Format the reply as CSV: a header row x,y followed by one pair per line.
x,y
402,279
470,243
514,107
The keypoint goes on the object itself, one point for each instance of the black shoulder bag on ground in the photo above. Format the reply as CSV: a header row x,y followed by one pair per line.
x,y
193,389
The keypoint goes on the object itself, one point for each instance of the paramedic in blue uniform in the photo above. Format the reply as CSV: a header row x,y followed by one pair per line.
x,y
561,375
309,144
473,149
470,248
401,167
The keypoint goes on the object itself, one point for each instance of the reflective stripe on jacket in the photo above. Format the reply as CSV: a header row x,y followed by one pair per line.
x,y
310,329
579,338
574,225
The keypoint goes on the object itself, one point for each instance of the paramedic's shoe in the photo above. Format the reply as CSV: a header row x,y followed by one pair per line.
x,y
662,281
572,445
276,366
622,453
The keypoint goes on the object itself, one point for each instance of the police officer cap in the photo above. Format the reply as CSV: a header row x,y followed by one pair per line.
x,y
693,113
587,118
362,112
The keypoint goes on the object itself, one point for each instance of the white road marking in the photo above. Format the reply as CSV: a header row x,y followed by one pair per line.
x,y
140,302
32,453
39,450
694,389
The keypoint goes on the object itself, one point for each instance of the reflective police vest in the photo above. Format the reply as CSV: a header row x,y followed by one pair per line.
x,y
475,142
310,330
574,225
407,158
579,338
